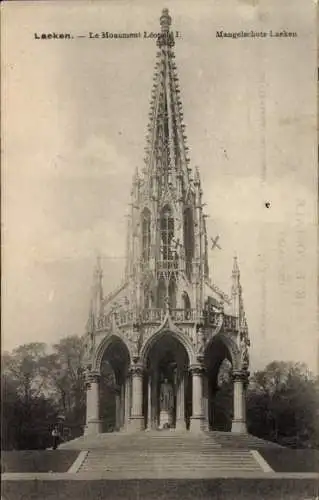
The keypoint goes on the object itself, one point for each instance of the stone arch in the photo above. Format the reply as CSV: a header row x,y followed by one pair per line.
x,y
166,357
175,333
104,345
220,347
231,346
233,350
112,362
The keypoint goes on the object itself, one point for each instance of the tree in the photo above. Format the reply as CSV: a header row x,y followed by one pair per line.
x,y
27,413
282,404
8,412
25,366
64,374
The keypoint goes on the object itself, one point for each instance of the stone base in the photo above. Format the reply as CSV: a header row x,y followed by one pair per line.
x,y
197,424
206,425
93,427
239,427
180,425
165,419
136,424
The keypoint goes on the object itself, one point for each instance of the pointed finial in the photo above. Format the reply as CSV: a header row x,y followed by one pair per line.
x,y
235,265
90,324
98,264
196,176
165,38
165,20
135,176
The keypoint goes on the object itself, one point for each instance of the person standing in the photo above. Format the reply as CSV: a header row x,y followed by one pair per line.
x,y
55,437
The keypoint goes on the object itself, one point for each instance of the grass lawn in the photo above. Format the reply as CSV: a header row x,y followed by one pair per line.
x,y
214,489
288,460
37,460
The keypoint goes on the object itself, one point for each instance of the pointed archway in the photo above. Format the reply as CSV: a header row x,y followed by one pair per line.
x,y
166,384
114,372
108,387
221,356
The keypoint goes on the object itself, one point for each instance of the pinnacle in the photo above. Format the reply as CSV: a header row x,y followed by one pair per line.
x,y
235,265
166,149
98,263
165,20
197,176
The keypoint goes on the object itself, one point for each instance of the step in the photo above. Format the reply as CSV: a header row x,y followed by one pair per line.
x,y
180,463
232,440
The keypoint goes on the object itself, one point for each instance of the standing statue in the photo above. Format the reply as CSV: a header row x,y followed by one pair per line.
x,y
244,345
166,396
201,340
89,348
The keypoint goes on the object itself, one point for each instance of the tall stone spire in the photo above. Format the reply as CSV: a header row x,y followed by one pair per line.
x,y
166,150
236,288
239,312
167,244
96,303
95,311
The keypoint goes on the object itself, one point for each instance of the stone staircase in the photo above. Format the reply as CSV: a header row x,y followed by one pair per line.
x,y
169,465
164,454
239,441
140,442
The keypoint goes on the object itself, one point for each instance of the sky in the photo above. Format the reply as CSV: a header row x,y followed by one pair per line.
x,y
74,120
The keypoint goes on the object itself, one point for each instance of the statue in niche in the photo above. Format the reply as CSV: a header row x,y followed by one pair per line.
x,y
244,345
166,396
201,339
89,348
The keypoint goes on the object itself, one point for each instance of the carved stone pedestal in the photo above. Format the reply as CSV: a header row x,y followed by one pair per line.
x,y
180,424
136,424
93,427
166,419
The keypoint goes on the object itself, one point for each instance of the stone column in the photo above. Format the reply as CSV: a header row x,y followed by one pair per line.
x,y
155,399
127,405
180,402
137,418
93,422
206,402
197,418
240,379
149,401
117,409
122,405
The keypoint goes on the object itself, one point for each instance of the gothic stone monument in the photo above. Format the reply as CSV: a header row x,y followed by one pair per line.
x,y
167,328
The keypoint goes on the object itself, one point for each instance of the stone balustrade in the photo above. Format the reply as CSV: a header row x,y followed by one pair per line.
x,y
124,317
183,315
152,316
169,265
230,323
